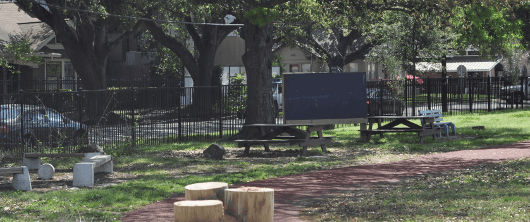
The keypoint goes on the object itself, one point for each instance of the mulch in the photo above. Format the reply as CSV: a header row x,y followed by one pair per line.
x,y
292,193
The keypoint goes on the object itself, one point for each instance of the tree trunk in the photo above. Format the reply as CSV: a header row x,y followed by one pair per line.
x,y
258,65
206,191
250,203
338,62
198,210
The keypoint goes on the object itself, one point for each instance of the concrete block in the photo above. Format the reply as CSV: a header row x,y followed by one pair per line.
x,y
21,181
46,171
84,174
106,167
90,155
31,163
84,171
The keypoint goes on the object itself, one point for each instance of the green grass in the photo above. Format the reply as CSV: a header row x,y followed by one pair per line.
x,y
155,172
495,191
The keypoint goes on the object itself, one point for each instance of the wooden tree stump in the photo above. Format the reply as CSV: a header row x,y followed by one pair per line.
x,y
254,204
206,191
198,210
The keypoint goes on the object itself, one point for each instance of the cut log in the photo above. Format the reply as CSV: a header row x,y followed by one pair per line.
x,y
254,204
206,191
198,210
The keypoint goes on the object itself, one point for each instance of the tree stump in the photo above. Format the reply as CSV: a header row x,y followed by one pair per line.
x,y
254,204
198,210
206,191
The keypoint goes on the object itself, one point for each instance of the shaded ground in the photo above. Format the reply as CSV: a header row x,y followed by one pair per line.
x,y
293,193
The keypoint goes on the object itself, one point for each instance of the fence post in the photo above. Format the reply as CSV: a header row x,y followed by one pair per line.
x,y
489,93
470,94
22,122
179,94
133,119
381,94
79,107
220,108
429,93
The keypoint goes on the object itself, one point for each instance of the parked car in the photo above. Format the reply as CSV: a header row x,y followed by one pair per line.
x,y
388,104
516,93
30,125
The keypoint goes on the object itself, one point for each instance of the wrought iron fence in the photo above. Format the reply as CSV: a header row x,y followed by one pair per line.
x,y
51,122
72,84
462,95
55,122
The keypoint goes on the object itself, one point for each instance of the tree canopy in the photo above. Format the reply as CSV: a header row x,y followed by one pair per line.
x,y
87,30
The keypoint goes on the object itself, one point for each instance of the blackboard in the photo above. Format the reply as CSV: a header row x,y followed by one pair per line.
x,y
327,98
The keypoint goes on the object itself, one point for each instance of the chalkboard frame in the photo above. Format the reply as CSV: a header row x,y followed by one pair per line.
x,y
356,88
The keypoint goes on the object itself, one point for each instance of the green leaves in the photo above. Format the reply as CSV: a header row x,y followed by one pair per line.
x,y
261,16
486,28
20,51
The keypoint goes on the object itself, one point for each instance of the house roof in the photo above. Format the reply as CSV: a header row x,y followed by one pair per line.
x,y
472,64
16,23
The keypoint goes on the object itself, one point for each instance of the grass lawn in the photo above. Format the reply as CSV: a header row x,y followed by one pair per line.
x,y
152,173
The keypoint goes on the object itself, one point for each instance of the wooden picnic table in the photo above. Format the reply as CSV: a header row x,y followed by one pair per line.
x,y
275,133
425,129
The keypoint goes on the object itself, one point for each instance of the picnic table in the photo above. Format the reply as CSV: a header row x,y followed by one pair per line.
x,y
275,133
425,129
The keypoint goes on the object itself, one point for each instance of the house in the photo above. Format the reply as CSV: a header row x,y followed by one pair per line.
x,y
55,67
16,24
293,60
475,66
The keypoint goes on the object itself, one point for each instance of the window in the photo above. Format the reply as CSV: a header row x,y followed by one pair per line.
x,y
53,70
294,67
276,70
353,67
69,70
306,68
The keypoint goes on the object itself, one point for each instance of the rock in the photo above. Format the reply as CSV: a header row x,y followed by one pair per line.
x,y
91,148
478,127
214,151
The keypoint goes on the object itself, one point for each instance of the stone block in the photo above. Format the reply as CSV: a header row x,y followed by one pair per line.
x,y
21,181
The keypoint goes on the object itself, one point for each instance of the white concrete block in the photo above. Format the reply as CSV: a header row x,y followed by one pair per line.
x,y
21,181
84,171
106,167
31,163
84,174
46,171
90,155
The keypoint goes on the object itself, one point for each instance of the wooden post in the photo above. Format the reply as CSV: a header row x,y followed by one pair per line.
x,y
206,191
254,204
198,210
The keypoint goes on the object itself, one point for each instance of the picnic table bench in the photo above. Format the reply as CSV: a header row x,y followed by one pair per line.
x,y
262,134
424,130
437,114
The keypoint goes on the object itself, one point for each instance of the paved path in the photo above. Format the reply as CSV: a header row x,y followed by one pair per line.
x,y
289,191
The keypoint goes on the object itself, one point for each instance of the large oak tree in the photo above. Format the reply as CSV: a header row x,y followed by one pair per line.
x,y
88,38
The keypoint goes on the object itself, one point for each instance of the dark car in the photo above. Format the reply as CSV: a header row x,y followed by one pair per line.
x,y
388,104
30,125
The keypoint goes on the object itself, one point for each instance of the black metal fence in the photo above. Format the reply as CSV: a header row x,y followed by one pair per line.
x,y
51,122
118,119
462,95
75,84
